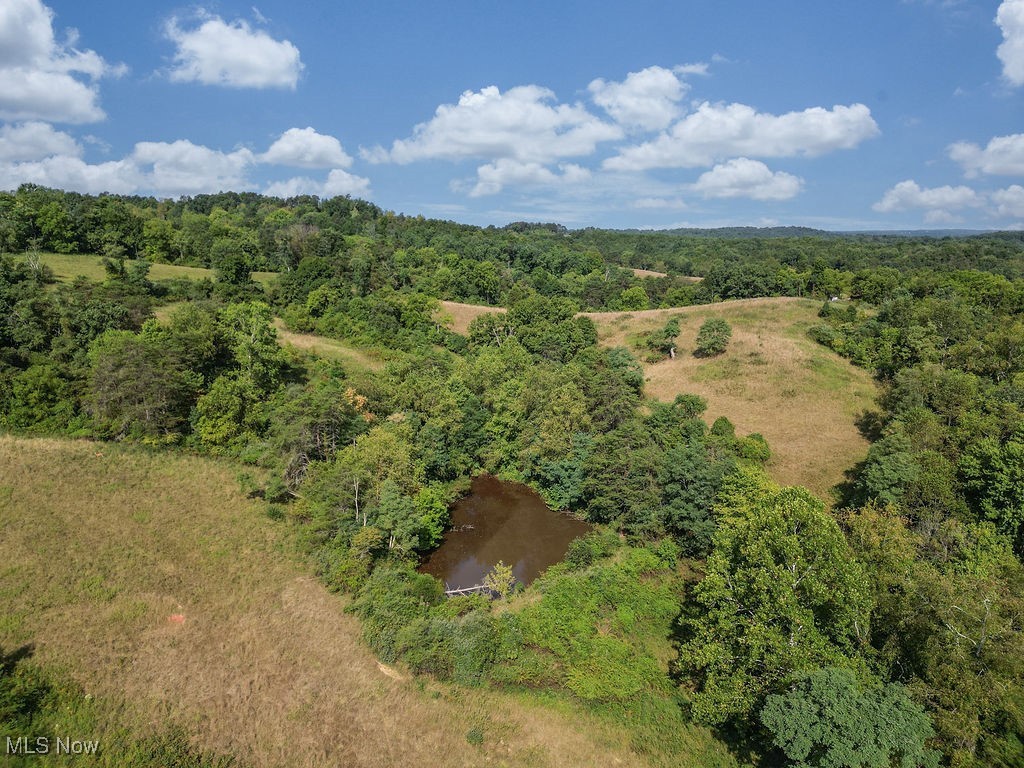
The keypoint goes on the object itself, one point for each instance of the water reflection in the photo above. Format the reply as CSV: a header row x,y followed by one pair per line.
x,y
501,521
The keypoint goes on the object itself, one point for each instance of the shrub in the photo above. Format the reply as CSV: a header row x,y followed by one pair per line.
x,y
713,337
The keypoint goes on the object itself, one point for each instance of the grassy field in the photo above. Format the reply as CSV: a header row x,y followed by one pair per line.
x,y
773,379
331,349
459,315
67,267
171,598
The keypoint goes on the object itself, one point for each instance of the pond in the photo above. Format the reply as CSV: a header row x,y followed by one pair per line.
x,y
503,521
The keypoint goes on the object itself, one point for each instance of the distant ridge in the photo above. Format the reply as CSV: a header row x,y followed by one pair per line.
x,y
781,232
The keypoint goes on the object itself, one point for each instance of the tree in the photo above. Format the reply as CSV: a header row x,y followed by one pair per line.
x,y
713,337
663,341
826,720
500,579
633,299
138,388
253,342
782,595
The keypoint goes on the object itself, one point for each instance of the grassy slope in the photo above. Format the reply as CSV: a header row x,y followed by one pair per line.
x,y
773,379
67,267
460,315
331,349
104,544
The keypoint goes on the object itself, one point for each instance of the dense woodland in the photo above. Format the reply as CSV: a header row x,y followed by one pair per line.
x,y
882,627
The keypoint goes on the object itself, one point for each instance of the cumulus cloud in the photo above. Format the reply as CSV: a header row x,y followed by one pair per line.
x,y
183,168
338,182
1009,202
648,99
717,131
36,153
1004,155
72,173
232,54
493,177
522,124
937,202
305,148
1010,18
41,77
743,177
35,141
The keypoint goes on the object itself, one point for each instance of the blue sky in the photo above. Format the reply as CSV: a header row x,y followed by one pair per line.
x,y
842,115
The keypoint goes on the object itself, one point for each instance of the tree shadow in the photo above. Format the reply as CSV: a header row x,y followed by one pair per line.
x,y
870,424
8,661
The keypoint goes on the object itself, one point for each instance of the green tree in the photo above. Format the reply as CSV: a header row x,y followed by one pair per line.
x,y
633,299
500,579
826,720
137,388
713,337
253,342
782,595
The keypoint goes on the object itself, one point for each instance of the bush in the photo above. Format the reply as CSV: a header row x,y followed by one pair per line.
x,y
713,337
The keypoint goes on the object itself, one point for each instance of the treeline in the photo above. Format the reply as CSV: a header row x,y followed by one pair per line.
x,y
370,249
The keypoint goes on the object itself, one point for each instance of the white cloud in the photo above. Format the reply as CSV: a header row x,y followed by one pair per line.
x,y
338,182
38,74
937,202
493,177
1010,18
716,131
743,177
659,203
1004,155
184,168
648,99
341,182
72,173
521,124
1010,202
232,54
35,141
305,148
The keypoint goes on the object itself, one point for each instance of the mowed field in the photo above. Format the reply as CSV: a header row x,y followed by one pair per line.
x,y
772,379
172,599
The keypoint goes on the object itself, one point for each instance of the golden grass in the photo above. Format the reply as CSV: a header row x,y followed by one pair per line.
x,y
104,545
331,349
773,379
648,273
66,267
458,316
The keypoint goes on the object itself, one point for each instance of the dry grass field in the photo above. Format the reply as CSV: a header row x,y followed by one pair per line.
x,y
331,349
773,379
648,273
459,316
171,598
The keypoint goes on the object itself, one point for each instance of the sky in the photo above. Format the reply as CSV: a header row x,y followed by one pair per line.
x,y
843,115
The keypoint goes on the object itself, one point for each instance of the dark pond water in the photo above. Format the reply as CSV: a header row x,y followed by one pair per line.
x,y
501,521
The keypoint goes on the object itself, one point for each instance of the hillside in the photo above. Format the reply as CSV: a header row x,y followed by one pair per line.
x,y
773,379
170,597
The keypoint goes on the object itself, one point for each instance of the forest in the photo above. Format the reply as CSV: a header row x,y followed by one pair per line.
x,y
882,625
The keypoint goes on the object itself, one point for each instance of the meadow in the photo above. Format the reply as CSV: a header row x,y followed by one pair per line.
x,y
773,379
150,582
